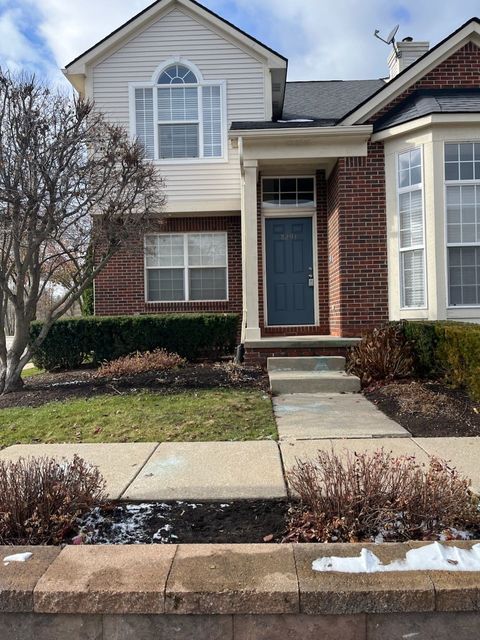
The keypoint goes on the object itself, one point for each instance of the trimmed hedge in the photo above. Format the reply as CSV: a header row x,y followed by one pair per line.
x,y
447,349
70,342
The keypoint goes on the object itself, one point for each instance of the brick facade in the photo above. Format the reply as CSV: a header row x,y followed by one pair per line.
x,y
120,288
357,244
351,240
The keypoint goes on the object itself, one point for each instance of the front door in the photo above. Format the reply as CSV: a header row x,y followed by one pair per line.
x,y
289,271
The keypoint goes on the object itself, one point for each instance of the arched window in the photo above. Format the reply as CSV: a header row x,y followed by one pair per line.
x,y
180,116
178,74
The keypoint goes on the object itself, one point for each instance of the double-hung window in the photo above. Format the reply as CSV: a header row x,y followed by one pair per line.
x,y
186,267
180,117
462,179
411,227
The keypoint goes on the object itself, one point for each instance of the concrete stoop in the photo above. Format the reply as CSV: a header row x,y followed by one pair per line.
x,y
323,374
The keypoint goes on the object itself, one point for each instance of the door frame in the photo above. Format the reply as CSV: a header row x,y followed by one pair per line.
x,y
296,213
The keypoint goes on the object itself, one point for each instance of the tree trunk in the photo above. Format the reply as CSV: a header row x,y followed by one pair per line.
x,y
11,376
16,358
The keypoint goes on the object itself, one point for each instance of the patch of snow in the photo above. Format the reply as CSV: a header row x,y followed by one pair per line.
x,y
433,557
17,557
297,120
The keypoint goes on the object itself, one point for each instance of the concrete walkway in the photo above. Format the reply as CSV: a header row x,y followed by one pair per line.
x,y
232,470
318,416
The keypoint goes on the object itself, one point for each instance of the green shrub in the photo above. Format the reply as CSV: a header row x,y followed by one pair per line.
x,y
192,336
383,354
447,349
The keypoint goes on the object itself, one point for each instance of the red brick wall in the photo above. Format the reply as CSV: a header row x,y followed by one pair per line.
x,y
357,219
120,288
259,357
460,70
358,243
322,268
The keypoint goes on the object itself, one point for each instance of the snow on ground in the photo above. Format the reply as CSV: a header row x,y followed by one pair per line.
x,y
17,557
433,557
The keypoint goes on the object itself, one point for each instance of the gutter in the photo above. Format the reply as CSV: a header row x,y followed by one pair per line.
x,y
355,131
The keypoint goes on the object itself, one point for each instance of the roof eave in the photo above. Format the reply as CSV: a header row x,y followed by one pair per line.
x,y
360,131
434,119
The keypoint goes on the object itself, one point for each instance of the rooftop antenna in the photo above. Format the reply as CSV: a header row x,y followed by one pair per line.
x,y
390,39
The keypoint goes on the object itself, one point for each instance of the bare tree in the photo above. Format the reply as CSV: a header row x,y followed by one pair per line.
x,y
68,178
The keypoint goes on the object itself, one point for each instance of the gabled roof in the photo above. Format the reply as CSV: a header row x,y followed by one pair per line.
x,y
408,76
424,102
160,5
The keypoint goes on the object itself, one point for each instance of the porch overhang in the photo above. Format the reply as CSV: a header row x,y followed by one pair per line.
x,y
300,145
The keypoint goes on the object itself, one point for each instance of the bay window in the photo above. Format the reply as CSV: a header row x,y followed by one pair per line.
x,y
462,179
411,227
186,267
180,117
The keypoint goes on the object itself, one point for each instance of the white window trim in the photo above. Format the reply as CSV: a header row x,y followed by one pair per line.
x,y
289,207
186,268
422,247
448,245
154,86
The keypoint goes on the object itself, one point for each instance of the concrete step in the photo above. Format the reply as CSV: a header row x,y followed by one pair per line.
x,y
287,382
315,363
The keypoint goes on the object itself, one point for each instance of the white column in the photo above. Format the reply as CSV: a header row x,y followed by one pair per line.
x,y
251,325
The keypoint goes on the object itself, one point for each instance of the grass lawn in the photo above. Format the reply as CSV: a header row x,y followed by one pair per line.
x,y
143,417
27,373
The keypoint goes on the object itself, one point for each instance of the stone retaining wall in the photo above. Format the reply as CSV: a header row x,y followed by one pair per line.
x,y
228,592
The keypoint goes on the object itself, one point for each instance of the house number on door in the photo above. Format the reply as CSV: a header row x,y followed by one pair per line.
x,y
288,236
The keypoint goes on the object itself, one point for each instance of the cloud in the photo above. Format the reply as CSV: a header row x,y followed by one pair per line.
x,y
323,40
16,50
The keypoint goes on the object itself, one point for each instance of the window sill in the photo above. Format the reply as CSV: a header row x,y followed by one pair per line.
x,y
464,306
189,161
159,302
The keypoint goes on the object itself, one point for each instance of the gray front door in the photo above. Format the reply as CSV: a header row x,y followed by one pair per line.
x,y
289,271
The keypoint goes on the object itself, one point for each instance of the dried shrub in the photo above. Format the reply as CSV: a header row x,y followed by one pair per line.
x,y
41,498
367,496
150,362
383,354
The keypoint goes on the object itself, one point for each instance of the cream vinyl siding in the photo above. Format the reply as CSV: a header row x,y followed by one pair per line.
x,y
179,34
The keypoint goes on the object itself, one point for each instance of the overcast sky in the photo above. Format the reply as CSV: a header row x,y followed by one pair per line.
x,y
323,39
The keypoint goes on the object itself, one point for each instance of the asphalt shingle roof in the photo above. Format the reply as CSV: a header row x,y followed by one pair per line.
x,y
424,102
317,104
330,99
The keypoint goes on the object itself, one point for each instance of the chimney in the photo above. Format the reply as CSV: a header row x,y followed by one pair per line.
x,y
407,52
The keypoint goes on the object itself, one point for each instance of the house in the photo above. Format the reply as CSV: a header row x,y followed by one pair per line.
x,y
314,209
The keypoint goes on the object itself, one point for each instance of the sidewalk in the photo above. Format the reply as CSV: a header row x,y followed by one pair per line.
x,y
232,470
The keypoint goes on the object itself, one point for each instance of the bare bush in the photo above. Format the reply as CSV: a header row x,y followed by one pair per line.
x,y
367,496
41,498
383,354
149,362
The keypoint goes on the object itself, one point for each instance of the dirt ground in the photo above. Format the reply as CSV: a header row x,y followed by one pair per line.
x,y
50,387
186,522
428,409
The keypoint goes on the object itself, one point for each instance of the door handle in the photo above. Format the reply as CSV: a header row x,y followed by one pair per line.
x,y
311,280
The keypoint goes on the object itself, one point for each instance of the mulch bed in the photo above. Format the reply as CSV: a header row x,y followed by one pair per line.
x,y
50,387
186,522
428,409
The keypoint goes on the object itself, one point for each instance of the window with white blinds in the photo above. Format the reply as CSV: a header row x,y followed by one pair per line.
x,y
180,117
411,229
462,178
186,267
